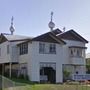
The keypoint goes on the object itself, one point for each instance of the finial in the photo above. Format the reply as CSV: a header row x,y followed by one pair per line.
x,y
51,24
11,27
64,28
51,16
12,21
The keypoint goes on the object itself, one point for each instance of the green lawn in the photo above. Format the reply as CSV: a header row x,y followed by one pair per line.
x,y
60,87
52,87
27,85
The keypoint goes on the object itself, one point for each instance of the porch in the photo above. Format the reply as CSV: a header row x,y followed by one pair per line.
x,y
69,70
9,69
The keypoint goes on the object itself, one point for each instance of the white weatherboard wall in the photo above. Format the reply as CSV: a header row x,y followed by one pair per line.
x,y
26,58
36,58
66,51
4,58
74,60
14,51
12,56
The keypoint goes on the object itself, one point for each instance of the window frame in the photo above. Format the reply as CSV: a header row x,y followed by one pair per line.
x,y
47,48
76,52
52,48
23,49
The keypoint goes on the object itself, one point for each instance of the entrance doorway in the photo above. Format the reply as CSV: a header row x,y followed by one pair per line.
x,y
49,73
0,69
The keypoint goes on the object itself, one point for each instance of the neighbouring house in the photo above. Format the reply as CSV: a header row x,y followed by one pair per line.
x,y
46,57
88,63
88,58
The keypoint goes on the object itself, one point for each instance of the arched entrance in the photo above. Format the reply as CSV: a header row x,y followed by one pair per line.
x,y
47,74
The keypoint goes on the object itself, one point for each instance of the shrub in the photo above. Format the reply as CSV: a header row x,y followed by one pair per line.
x,y
66,75
21,76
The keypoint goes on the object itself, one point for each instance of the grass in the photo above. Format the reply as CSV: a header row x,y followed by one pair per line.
x,y
27,85
21,81
52,87
60,87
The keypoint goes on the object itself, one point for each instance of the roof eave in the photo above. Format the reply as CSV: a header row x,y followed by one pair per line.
x,y
57,39
79,36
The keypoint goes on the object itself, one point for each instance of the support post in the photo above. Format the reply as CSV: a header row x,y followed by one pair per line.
x,y
10,69
3,69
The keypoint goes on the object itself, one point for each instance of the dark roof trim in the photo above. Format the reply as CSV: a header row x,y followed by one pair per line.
x,y
56,38
23,42
72,35
18,40
2,38
77,47
79,36
49,35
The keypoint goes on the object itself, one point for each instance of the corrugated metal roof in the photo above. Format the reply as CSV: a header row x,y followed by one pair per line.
x,y
16,37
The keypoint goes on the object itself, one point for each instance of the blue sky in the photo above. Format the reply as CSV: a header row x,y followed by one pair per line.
x,y
31,17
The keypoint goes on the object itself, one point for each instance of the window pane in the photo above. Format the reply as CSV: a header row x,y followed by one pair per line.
x,y
23,48
41,48
52,48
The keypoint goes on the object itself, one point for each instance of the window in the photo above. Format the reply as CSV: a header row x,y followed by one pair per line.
x,y
79,52
23,48
52,48
71,52
47,48
8,49
76,52
41,47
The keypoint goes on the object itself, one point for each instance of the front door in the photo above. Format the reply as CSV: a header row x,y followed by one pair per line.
x,y
50,73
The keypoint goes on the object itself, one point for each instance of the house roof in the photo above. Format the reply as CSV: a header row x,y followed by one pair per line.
x,y
72,35
57,31
55,36
9,37
15,37
50,37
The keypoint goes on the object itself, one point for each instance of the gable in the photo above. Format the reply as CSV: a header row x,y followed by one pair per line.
x,y
72,35
45,38
49,37
57,31
2,38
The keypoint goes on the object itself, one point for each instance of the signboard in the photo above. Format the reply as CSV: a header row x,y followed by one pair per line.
x,y
43,78
81,77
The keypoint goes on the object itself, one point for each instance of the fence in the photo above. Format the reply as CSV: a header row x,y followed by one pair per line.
x,y
7,84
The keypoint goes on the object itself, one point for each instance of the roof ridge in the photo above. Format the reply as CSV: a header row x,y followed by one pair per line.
x,y
5,33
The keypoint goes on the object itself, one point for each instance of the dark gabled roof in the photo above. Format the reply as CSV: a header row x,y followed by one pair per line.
x,y
54,36
50,37
57,31
72,35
